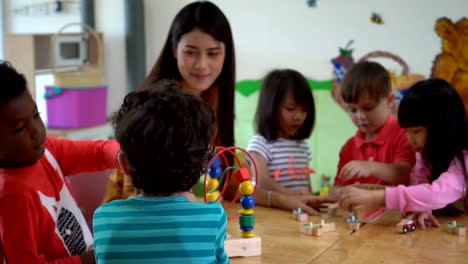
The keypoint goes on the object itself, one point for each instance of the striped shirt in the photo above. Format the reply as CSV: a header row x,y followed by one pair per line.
x,y
287,160
159,230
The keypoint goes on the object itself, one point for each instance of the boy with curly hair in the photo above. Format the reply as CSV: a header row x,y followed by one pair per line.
x,y
164,135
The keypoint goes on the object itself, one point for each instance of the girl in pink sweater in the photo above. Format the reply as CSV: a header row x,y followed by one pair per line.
x,y
433,114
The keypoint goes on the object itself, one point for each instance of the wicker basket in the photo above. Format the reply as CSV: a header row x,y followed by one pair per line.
x,y
399,82
87,75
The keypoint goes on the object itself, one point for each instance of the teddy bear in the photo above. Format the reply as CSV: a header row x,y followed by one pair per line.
x,y
452,63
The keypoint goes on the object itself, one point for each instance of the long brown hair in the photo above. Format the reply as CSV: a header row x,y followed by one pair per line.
x,y
208,18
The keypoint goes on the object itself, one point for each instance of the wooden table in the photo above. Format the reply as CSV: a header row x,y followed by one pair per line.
x,y
282,242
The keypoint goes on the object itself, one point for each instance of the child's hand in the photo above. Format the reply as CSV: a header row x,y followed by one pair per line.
x,y
306,203
88,257
351,196
356,168
424,219
316,201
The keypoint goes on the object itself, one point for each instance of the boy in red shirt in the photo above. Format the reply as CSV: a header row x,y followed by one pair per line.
x,y
39,219
379,153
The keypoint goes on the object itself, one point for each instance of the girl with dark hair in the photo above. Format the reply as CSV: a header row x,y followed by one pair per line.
x,y
199,53
284,119
433,114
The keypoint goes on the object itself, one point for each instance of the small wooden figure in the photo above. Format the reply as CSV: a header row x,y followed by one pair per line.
x,y
299,215
405,226
456,229
353,223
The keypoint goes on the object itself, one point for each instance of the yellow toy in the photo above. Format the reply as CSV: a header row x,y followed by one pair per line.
x,y
452,63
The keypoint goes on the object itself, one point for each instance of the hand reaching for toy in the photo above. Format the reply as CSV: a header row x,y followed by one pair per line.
x,y
424,219
307,202
356,168
351,196
316,201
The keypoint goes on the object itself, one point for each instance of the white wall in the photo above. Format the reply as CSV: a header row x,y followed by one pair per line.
x,y
111,21
277,33
109,17
38,19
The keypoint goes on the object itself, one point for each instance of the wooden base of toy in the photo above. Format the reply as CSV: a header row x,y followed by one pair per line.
x,y
455,229
243,247
299,216
317,229
354,226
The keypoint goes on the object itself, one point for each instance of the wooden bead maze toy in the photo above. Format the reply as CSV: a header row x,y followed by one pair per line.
x,y
215,184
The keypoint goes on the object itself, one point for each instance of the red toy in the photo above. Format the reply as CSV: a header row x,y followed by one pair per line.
x,y
405,226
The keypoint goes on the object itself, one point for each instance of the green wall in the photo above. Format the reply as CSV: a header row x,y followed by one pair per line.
x,y
332,128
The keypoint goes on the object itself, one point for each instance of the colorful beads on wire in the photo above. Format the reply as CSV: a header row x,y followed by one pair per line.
x,y
215,173
217,177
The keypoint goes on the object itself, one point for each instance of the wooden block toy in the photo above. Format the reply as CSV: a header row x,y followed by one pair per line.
x,y
405,226
299,215
312,229
243,247
456,229
327,226
242,174
353,223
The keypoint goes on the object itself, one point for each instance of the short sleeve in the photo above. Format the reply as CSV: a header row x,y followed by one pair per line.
x,y
259,144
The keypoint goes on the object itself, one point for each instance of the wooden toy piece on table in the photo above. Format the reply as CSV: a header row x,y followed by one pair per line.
x,y
353,223
299,215
248,244
318,229
456,229
405,226
311,229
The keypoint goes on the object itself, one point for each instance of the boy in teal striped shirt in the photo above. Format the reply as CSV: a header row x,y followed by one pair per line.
x,y
164,136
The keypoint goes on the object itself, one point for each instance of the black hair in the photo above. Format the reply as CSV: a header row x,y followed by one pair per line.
x,y
278,84
436,105
208,18
366,77
165,134
13,82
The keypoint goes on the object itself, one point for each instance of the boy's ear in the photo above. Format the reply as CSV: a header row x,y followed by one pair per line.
x,y
123,163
